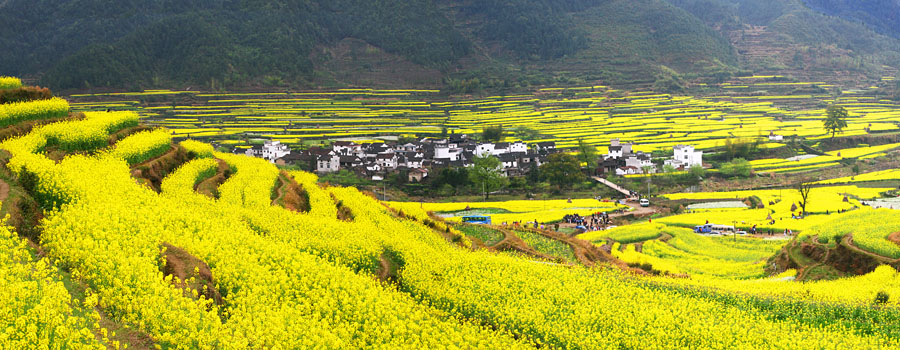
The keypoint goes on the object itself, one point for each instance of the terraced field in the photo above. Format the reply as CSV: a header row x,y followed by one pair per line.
x,y
593,114
122,262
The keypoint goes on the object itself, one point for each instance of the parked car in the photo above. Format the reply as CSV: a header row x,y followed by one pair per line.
x,y
645,202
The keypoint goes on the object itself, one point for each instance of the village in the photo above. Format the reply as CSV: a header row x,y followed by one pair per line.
x,y
419,158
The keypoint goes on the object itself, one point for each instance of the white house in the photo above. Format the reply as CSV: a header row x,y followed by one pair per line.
x,y
272,150
347,148
496,149
387,160
518,147
685,156
640,161
618,149
414,163
447,152
409,147
328,163
484,148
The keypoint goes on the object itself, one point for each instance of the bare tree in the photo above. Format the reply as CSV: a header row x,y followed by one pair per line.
x,y
804,188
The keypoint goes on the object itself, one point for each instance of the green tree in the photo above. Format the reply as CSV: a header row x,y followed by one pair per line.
x,y
587,154
738,167
697,172
534,173
492,133
487,172
835,121
562,170
454,177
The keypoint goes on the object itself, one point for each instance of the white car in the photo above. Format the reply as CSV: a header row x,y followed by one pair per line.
x,y
645,202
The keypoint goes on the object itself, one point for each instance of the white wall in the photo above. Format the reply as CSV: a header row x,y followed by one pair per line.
x,y
447,152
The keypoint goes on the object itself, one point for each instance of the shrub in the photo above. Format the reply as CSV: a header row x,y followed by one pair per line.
x,y
737,168
882,297
25,94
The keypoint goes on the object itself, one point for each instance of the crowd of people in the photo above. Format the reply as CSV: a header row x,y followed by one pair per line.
x,y
594,222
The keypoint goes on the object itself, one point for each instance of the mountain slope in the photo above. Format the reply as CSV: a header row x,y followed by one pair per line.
x,y
881,15
466,45
128,42
787,37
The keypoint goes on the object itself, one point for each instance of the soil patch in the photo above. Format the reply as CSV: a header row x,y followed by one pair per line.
x,y
894,237
390,267
814,251
135,338
153,171
290,195
847,260
4,190
190,273
815,261
210,186
121,134
343,212
16,201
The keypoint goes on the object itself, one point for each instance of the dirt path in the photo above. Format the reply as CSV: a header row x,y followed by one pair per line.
x,y
279,191
4,190
852,246
210,186
804,270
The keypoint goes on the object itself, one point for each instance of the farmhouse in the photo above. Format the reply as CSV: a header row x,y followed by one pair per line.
x,y
270,150
622,160
328,163
685,157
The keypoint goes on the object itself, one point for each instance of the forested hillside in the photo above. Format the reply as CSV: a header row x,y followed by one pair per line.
x,y
460,45
788,37
881,15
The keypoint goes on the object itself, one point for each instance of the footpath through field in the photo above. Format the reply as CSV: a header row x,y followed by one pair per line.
x,y
609,184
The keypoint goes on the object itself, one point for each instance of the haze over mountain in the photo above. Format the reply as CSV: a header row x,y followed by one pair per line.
x,y
459,45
